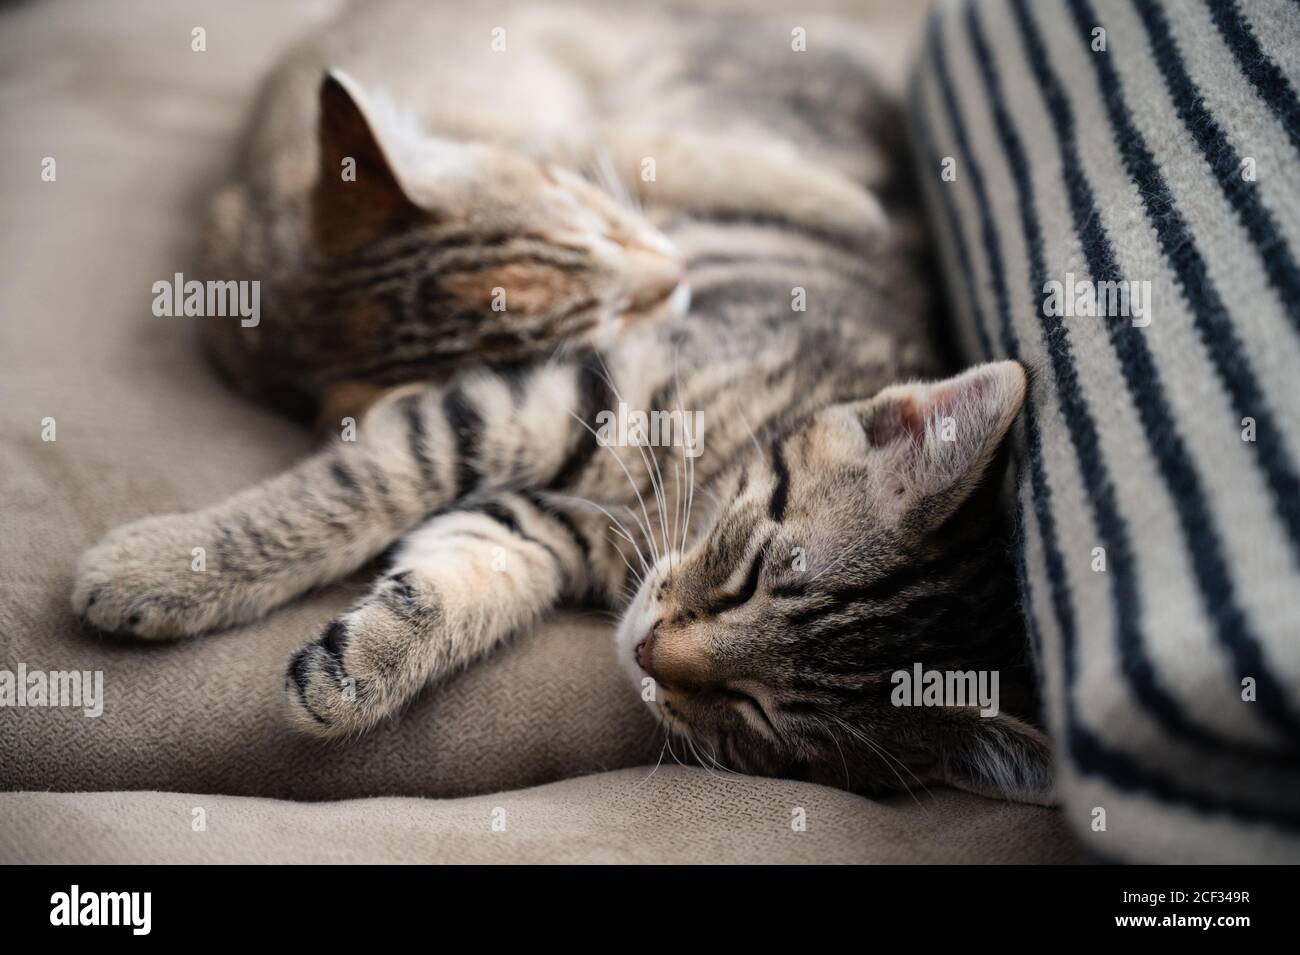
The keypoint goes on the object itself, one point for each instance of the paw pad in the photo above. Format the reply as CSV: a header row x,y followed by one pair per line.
x,y
400,585
335,638
298,671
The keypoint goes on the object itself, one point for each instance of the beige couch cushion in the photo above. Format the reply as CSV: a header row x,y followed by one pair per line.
x,y
675,815
138,125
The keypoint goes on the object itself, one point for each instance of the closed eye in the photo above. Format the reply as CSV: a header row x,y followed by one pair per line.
x,y
750,706
747,589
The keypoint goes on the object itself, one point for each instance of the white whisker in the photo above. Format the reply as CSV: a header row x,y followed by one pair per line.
x,y
654,543
890,758
688,460
677,511
645,528
848,782
627,535
659,762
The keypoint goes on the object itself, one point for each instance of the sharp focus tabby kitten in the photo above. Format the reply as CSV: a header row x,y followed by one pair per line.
x,y
818,529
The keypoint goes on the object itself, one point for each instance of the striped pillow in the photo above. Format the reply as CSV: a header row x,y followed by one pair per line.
x,y
1155,146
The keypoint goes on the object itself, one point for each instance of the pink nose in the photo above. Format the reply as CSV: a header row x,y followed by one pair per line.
x,y
645,651
657,278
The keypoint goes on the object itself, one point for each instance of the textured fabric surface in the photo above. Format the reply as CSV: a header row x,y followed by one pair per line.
x,y
140,126
1164,150
676,815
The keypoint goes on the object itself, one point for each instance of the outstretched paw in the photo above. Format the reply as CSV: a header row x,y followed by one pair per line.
x,y
367,663
150,579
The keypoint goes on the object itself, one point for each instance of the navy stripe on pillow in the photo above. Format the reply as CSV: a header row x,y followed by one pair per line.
x,y
1215,325
1260,804
1270,83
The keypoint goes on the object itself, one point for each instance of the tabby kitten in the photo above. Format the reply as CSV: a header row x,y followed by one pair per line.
x,y
834,528
431,215
413,254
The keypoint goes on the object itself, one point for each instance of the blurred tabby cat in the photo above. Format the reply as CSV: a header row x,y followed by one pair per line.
x,y
837,527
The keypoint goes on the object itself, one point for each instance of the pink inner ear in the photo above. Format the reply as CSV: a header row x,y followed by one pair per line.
x,y
900,420
904,418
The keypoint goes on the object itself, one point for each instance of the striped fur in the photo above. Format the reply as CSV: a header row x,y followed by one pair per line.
x,y
465,232
836,528
1129,163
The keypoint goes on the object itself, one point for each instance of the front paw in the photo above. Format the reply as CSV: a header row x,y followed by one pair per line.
x,y
366,664
151,579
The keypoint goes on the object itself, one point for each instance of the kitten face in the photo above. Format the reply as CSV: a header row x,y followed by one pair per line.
x,y
525,255
858,547
471,248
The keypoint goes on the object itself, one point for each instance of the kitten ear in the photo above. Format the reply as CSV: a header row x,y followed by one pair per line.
x,y
358,194
1000,757
932,444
